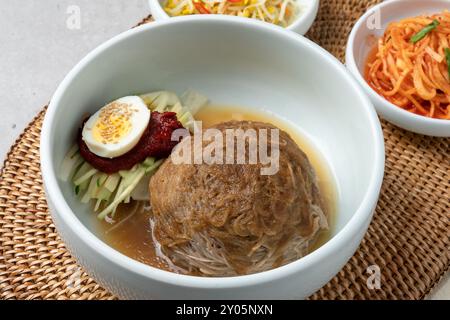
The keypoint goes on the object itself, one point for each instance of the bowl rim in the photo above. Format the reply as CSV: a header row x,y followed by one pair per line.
x,y
311,12
341,239
383,106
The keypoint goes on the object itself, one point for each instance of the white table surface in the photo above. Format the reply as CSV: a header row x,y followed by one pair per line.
x,y
38,49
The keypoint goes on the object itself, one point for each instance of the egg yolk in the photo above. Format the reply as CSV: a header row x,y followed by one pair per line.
x,y
113,124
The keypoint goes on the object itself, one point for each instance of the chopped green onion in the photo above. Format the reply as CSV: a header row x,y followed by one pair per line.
x,y
422,33
98,182
77,190
447,57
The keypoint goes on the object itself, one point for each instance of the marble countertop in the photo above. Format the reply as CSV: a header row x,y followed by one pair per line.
x,y
41,41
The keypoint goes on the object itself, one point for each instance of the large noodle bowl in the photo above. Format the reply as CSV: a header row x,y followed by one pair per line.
x,y
410,66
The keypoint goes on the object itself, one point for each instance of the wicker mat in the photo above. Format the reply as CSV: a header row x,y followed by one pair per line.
x,y
408,238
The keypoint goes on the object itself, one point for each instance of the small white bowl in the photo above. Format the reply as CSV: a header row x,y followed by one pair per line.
x,y
234,61
301,25
361,41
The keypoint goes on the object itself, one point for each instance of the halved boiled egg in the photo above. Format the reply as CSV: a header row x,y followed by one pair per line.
x,y
117,127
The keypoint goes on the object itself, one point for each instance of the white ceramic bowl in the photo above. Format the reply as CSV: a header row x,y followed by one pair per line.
x,y
361,41
234,62
301,25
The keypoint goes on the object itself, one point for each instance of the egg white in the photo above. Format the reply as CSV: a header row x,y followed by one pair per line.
x,y
139,120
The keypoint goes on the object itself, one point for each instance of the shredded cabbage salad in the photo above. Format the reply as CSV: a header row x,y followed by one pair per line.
x,y
279,12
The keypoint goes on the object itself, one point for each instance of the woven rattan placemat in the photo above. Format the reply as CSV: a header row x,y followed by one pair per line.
x,y
408,238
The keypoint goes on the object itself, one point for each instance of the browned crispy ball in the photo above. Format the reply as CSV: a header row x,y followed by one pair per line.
x,y
226,220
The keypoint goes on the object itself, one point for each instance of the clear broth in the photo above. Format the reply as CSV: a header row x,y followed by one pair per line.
x,y
131,233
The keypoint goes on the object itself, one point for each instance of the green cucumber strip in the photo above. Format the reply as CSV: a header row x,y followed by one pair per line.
x,y
177,108
84,185
158,101
73,151
122,196
78,164
77,169
150,98
148,162
96,189
154,166
85,177
102,179
185,117
112,182
120,189
162,102
193,100
97,205
85,167
130,178
88,194
69,166
188,121
127,173
103,194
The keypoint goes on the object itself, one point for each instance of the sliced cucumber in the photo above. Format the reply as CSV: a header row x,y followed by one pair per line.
x,y
148,162
84,185
120,189
97,186
85,177
155,166
70,163
161,103
112,182
125,193
88,194
103,194
177,108
126,173
132,176
84,168
194,101
97,204
160,100
140,193
188,121
149,98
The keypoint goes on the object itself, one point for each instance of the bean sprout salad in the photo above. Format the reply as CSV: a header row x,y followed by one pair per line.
x,y
278,12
